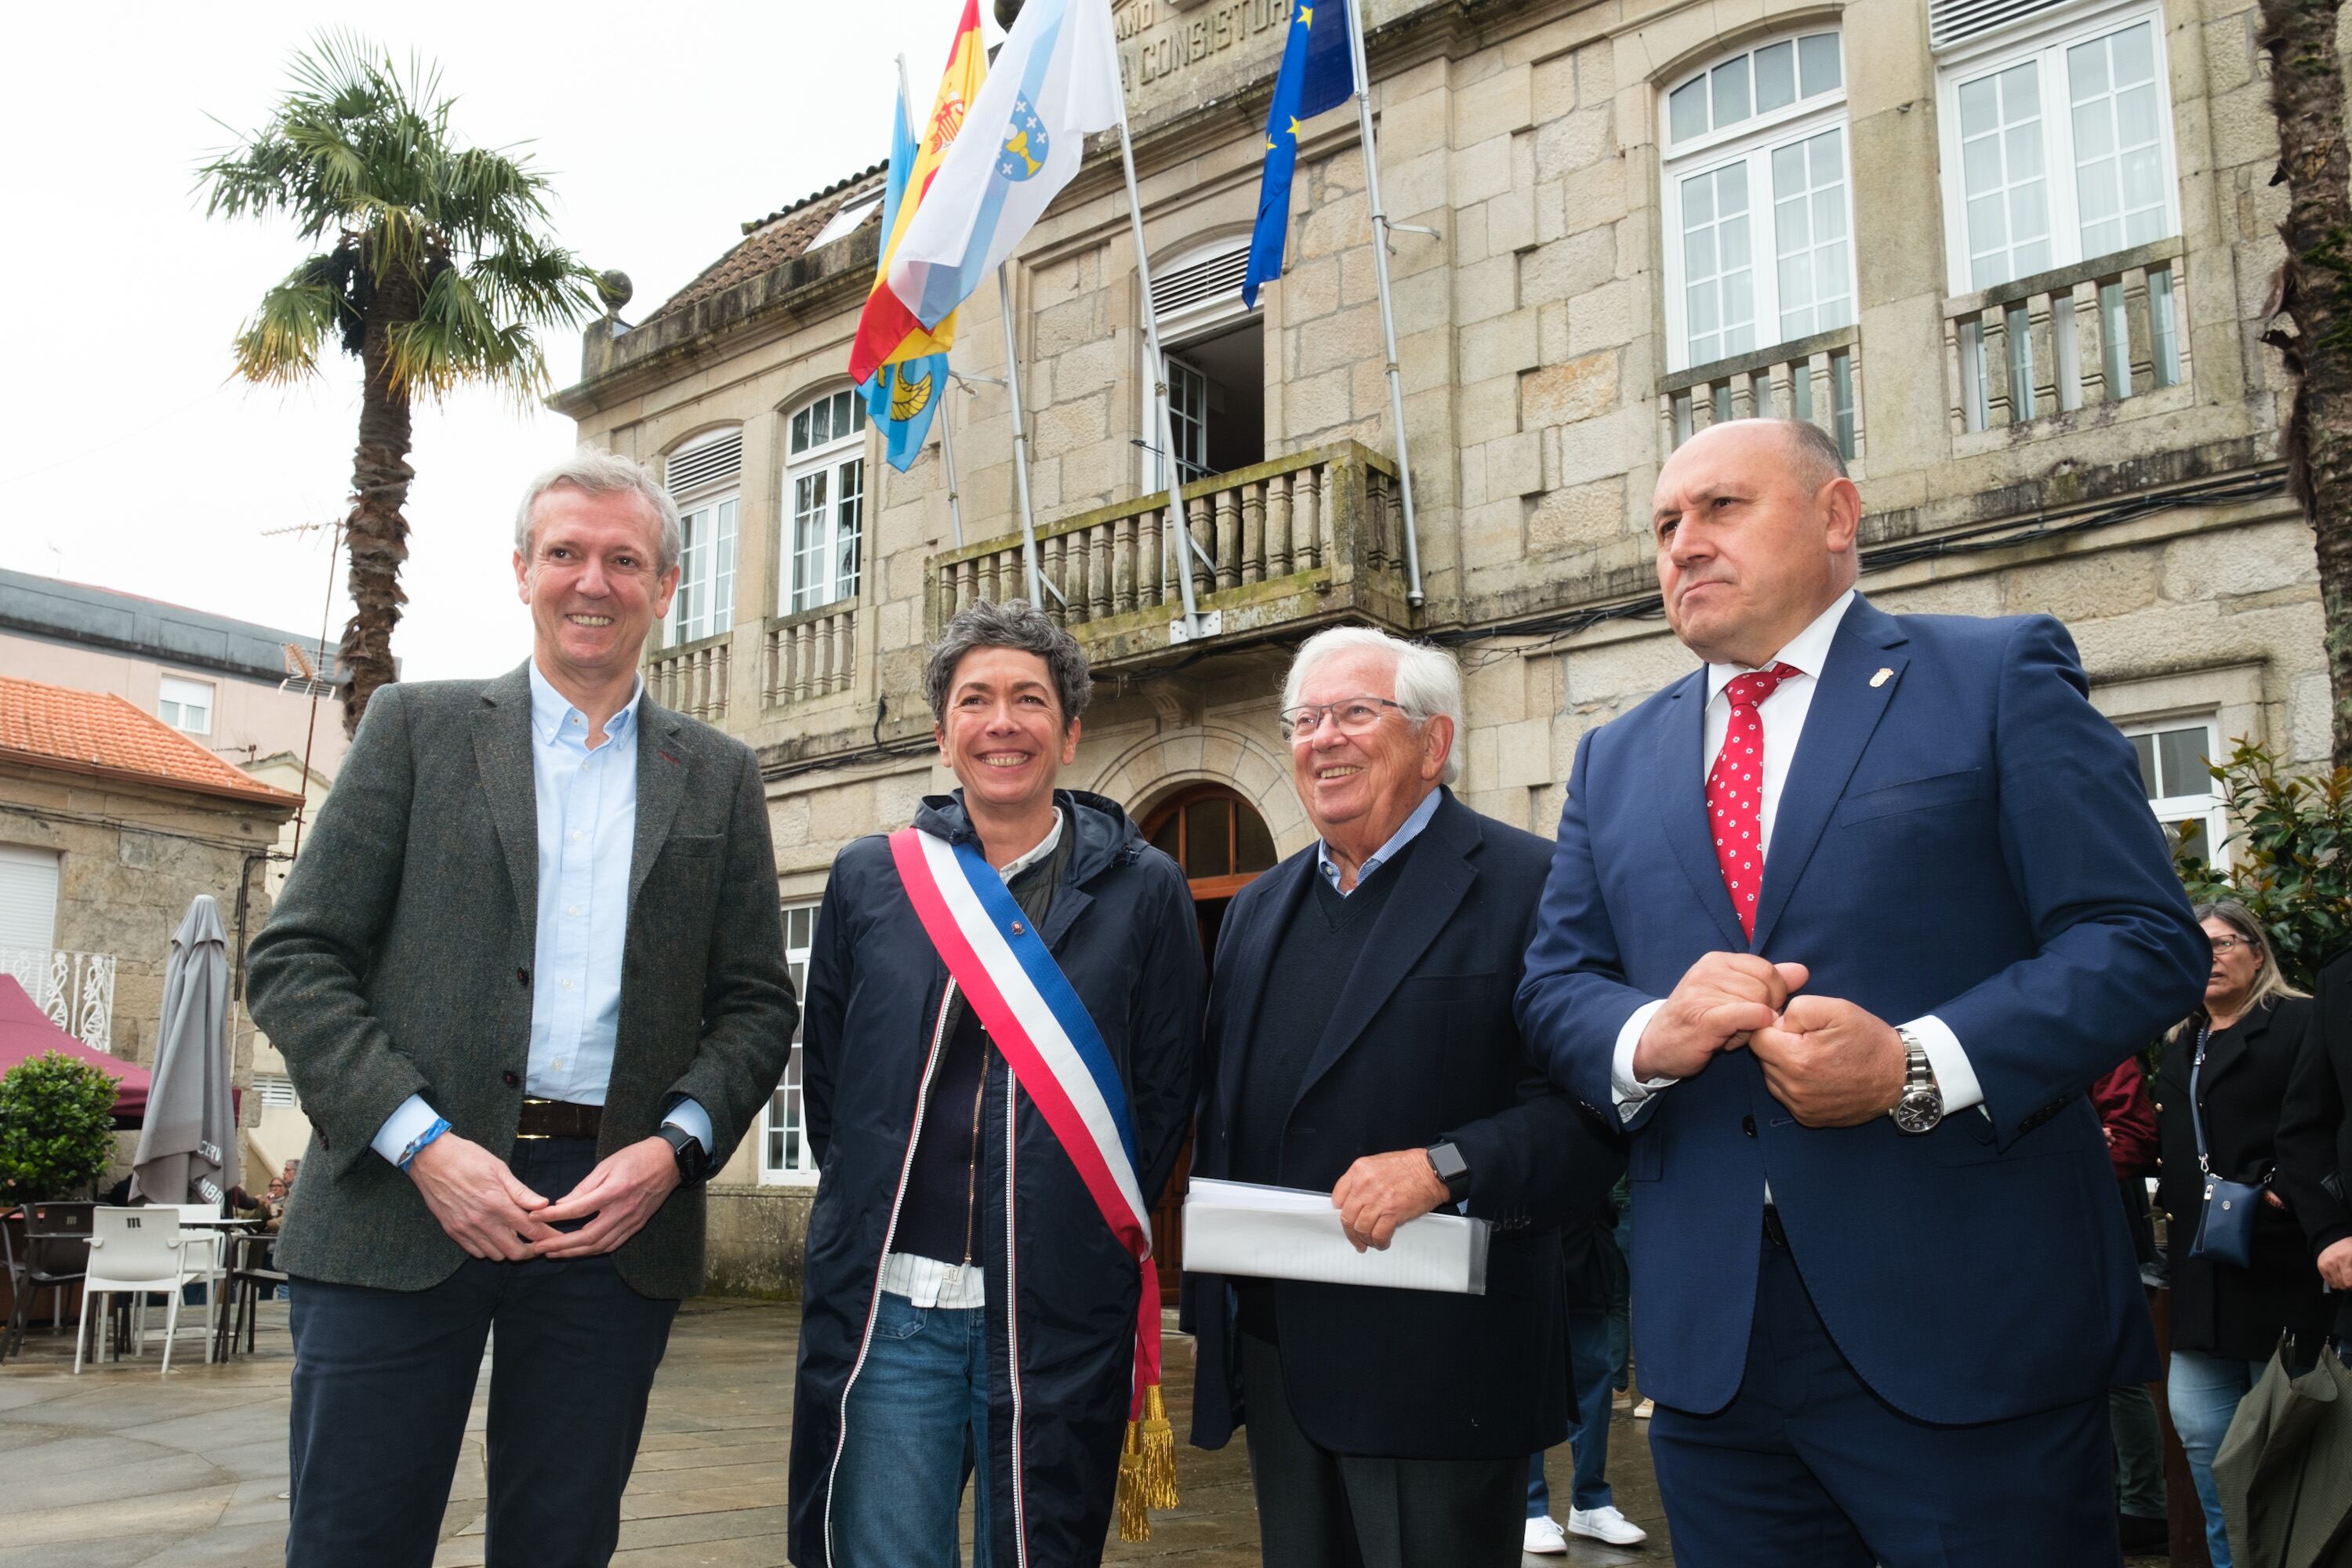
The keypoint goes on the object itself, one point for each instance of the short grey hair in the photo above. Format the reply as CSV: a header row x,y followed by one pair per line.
x,y
1428,681
1014,624
601,473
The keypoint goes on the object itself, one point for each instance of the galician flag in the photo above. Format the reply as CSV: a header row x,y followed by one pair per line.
x,y
1056,78
902,397
887,331
1318,72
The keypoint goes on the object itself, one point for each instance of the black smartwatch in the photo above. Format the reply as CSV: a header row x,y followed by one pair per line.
x,y
693,1158
1452,1169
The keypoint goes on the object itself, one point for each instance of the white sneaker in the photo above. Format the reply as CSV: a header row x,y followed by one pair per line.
x,y
1602,1524
1545,1538
1643,1411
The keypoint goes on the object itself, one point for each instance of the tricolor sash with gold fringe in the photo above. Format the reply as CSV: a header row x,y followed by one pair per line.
x,y
1011,981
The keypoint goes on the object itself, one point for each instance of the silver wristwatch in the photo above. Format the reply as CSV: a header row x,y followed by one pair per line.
x,y
1921,1106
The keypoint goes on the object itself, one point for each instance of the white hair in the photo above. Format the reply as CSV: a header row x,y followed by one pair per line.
x,y
601,473
1428,681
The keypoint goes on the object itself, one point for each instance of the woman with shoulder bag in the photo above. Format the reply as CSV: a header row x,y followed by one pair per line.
x,y
2241,1273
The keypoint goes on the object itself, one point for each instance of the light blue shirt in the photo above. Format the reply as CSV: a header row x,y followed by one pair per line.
x,y
1386,852
587,814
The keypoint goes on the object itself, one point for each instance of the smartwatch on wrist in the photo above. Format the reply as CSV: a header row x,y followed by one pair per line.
x,y
1450,1168
693,1158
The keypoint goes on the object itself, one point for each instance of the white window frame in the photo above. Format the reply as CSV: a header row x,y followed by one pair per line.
x,y
2206,804
784,1157
1187,315
2044,38
29,878
708,533
165,702
840,459
1752,140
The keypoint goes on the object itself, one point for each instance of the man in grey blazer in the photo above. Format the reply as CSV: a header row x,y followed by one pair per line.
x,y
529,979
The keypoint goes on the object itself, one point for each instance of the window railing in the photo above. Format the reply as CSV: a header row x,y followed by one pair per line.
x,y
692,680
1313,534
2105,330
1816,379
75,989
810,654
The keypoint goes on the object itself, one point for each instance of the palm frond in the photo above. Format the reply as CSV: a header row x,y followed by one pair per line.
x,y
279,346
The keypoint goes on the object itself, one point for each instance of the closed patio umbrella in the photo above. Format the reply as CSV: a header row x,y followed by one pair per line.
x,y
2285,1471
187,1148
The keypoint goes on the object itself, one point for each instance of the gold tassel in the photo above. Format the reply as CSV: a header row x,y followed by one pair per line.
x,y
1134,1524
1158,1462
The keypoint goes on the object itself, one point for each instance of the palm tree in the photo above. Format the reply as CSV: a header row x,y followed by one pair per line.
x,y
432,269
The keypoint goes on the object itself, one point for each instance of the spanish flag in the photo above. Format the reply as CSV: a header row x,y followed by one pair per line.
x,y
887,331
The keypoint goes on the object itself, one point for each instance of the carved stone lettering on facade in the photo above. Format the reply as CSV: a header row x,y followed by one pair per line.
x,y
1159,39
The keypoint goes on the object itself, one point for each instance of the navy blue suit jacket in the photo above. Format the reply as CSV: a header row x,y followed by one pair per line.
x,y
1960,834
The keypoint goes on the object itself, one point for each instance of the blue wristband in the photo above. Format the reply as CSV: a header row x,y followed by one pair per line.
x,y
440,1125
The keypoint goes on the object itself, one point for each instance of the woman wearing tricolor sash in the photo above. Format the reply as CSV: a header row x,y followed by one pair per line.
x,y
1001,1020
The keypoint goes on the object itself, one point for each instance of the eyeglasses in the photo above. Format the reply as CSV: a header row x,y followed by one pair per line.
x,y
2225,946
1354,715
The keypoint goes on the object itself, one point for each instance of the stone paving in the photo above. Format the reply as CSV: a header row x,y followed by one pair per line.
x,y
123,1467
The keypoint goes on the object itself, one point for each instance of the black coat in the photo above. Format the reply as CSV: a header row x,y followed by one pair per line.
x,y
2314,1135
1422,1047
1122,929
2218,1307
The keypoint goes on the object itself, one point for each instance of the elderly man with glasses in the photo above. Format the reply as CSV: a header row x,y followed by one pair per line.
x,y
1360,1042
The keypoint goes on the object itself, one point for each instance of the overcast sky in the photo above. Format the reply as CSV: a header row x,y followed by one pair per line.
x,y
141,465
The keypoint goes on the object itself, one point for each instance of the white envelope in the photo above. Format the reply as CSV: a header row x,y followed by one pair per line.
x,y
1280,1232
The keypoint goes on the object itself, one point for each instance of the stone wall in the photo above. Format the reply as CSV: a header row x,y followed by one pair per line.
x,y
129,861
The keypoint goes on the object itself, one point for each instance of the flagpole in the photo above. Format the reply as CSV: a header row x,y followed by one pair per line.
x,y
947,404
1020,438
1179,527
947,455
1380,274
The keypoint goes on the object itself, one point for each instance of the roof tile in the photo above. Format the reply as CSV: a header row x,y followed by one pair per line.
x,y
779,237
100,733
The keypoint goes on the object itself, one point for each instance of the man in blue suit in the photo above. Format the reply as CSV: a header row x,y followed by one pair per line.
x,y
1840,927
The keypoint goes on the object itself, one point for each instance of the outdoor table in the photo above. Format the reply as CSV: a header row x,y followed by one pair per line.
x,y
216,1307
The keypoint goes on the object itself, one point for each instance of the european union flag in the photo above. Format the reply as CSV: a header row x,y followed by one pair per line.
x,y
901,398
1318,72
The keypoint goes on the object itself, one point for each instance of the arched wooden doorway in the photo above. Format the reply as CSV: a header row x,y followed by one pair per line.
x,y
1223,845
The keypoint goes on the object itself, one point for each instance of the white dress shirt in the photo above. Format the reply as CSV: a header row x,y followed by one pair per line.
x,y
1783,716
929,1281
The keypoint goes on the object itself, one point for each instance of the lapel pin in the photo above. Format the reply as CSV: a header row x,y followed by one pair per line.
x,y
1880,678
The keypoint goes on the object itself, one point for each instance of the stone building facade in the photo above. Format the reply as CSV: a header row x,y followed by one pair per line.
x,y
2013,256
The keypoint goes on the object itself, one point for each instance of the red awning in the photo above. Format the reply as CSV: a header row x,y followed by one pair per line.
x,y
26,1031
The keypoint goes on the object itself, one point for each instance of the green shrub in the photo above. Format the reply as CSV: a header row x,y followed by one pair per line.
x,y
2290,865
57,1129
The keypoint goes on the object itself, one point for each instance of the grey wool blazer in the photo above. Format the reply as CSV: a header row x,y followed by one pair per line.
x,y
398,962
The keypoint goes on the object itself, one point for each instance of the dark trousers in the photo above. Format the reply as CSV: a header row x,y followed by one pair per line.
x,y
1806,1467
383,1381
1317,1508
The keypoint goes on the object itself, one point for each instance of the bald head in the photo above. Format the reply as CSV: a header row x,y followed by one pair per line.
x,y
1756,524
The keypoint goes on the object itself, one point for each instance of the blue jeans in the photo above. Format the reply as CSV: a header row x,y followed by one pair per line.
x,y
1587,1362
915,1425
2204,1391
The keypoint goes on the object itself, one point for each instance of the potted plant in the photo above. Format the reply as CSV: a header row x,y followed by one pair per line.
x,y
57,1129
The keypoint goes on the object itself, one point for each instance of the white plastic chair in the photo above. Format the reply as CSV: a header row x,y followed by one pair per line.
x,y
133,1251
203,1260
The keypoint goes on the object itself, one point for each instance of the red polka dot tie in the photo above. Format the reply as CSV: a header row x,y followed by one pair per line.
x,y
1735,791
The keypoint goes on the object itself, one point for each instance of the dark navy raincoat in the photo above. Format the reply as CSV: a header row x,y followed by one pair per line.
x,y
1062,1296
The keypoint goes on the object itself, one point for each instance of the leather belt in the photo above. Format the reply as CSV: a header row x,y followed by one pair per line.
x,y
558,1119
1772,1231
